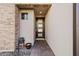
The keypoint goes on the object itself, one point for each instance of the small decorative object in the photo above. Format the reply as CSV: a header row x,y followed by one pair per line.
x,y
28,45
21,42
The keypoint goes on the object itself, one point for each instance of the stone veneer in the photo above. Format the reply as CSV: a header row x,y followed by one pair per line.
x,y
7,27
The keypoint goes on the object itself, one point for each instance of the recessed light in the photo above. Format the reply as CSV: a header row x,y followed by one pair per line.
x,y
40,12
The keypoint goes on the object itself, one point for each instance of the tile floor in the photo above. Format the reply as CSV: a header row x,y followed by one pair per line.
x,y
40,48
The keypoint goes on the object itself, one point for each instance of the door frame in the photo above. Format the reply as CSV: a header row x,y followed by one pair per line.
x,y
43,27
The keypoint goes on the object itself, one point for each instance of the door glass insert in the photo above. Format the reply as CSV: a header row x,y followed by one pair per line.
x,y
40,30
40,21
39,34
40,25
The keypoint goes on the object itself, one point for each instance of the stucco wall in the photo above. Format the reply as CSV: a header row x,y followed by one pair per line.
x,y
27,27
59,29
7,27
77,29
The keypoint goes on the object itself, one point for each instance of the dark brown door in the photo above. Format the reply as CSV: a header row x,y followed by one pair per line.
x,y
40,28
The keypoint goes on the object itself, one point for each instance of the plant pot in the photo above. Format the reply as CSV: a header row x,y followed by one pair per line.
x,y
28,45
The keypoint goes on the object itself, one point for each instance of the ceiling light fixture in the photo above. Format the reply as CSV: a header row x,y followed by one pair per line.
x,y
40,12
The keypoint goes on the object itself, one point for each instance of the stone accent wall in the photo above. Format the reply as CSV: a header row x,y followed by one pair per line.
x,y
7,27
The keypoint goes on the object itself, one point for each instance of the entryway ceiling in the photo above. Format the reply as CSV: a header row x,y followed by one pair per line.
x,y
39,9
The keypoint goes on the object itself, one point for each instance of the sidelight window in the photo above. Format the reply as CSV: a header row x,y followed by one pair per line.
x,y
24,16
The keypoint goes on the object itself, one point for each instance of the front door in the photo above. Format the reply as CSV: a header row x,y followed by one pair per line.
x,y
40,28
